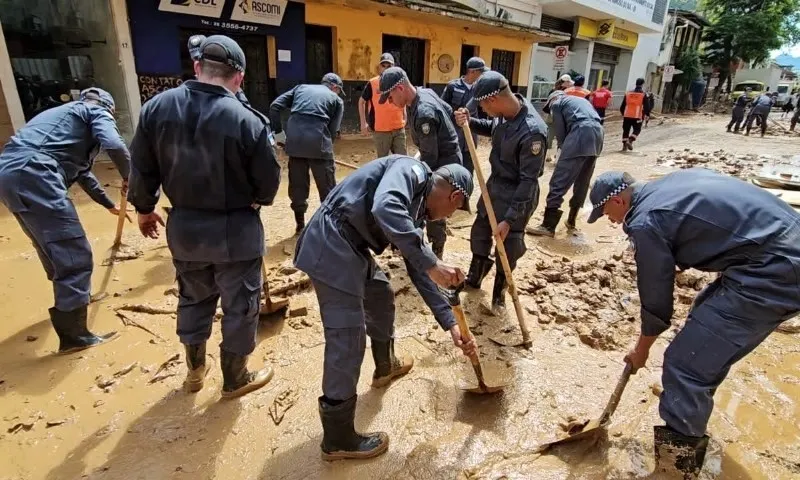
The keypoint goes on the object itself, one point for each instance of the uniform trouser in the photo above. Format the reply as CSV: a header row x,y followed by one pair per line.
x,y
573,172
437,232
299,182
722,328
481,241
372,315
202,284
390,142
65,253
736,119
602,113
629,124
795,118
762,119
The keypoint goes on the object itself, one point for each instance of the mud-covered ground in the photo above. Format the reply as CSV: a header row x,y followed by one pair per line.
x,y
119,411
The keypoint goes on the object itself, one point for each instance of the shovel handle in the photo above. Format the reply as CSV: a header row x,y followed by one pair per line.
x,y
501,248
465,332
123,211
615,397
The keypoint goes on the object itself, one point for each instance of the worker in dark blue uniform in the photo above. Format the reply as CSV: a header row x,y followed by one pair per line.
x,y
714,223
759,111
215,160
386,201
316,115
579,130
194,52
432,131
37,167
737,114
458,93
519,137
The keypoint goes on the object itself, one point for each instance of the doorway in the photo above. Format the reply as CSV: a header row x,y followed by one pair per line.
x,y
505,61
598,73
319,52
467,52
409,54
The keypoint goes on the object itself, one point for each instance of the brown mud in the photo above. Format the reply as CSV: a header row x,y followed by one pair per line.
x,y
119,411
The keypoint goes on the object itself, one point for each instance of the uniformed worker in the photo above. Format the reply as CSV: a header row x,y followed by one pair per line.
x,y
579,129
387,122
432,130
600,99
458,93
759,111
796,117
37,167
714,223
215,161
577,89
314,121
634,109
194,52
517,160
737,114
563,83
384,202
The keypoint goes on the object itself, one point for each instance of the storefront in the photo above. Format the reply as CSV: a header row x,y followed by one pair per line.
x,y
607,49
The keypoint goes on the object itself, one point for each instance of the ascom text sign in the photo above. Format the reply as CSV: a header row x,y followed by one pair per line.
x,y
267,12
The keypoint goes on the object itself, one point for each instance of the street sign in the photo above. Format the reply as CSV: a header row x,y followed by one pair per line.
x,y
560,54
669,71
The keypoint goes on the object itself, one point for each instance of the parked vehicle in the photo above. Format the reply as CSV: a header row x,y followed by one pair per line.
x,y
756,89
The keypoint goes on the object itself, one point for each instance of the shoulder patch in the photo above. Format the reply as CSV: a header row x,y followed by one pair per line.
x,y
536,147
419,172
426,128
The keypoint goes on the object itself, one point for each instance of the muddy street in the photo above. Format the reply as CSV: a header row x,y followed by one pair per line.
x,y
119,411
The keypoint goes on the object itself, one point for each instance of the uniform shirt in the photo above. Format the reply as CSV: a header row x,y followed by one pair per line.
x,y
762,104
577,127
645,104
699,219
517,160
458,94
741,102
68,138
316,115
433,130
601,97
381,203
214,158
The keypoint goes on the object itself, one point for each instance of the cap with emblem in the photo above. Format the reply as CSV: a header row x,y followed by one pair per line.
x,y
606,186
460,178
488,85
194,46
333,79
387,58
390,79
477,63
98,95
219,48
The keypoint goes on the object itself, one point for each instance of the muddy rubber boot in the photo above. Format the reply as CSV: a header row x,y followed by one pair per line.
x,y
196,365
678,454
499,291
479,267
72,332
237,380
387,365
300,222
572,218
339,438
548,227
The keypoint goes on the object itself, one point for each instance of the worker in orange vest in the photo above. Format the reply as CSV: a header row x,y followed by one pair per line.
x,y
387,122
577,89
634,109
600,99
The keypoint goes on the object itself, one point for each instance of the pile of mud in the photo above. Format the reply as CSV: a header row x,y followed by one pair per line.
x,y
742,166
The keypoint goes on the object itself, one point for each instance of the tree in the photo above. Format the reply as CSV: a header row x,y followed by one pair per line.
x,y
748,30
688,62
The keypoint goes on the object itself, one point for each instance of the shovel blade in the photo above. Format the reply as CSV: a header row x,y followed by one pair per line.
x,y
589,431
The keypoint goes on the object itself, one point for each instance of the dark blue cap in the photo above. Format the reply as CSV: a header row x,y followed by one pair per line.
x,y
477,63
390,78
333,79
219,48
580,80
460,178
488,85
605,186
99,95
194,46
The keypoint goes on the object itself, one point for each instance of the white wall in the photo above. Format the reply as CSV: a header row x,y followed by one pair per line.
x,y
646,51
577,61
543,63
622,73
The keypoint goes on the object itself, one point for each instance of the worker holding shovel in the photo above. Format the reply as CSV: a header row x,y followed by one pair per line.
x,y
517,159
714,223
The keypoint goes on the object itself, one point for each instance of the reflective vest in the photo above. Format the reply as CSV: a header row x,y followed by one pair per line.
x,y
577,92
601,98
634,105
388,117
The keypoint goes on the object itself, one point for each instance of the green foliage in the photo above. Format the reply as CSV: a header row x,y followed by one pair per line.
x,y
688,62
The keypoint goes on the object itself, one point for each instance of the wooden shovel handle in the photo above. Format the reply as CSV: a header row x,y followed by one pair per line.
x,y
611,407
123,211
465,332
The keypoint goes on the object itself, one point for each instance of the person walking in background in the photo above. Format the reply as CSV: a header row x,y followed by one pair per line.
x,y
634,109
577,90
458,94
600,99
737,114
387,122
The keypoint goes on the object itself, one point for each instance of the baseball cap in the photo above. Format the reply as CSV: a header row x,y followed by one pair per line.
x,y
194,46
477,63
219,48
488,85
565,78
334,79
460,178
390,78
604,187
579,80
98,95
387,58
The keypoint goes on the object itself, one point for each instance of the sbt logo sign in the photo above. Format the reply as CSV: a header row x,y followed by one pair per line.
x,y
266,8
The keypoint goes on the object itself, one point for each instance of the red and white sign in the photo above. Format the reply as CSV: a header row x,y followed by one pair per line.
x,y
560,54
669,72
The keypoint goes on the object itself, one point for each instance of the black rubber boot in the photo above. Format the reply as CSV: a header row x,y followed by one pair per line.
x,y
499,290
387,365
72,332
478,269
340,439
572,218
548,227
196,365
300,221
678,453
237,380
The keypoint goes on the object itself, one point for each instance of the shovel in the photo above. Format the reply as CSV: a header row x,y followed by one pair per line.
x,y
501,249
588,429
455,302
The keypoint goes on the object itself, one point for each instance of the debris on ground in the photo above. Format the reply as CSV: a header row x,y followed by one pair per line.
x,y
121,254
282,403
162,371
742,166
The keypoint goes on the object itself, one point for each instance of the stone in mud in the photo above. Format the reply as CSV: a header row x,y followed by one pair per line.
x,y
298,307
287,268
563,317
544,319
790,326
31,338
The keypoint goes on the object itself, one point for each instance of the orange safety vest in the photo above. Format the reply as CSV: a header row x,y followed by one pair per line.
x,y
577,92
388,117
634,105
